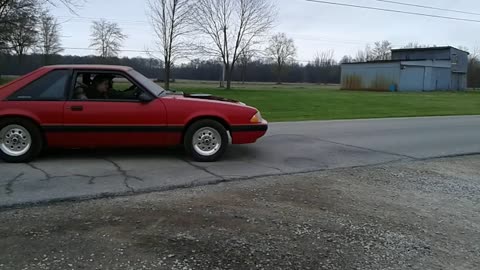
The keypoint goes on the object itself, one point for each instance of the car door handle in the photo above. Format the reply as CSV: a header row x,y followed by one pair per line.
x,y
76,108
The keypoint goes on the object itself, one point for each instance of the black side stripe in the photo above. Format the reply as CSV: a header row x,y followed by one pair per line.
x,y
105,129
113,128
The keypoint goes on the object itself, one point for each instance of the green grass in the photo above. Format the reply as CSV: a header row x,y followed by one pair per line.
x,y
310,102
4,81
188,84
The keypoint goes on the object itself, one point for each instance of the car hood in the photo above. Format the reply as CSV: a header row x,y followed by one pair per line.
x,y
207,97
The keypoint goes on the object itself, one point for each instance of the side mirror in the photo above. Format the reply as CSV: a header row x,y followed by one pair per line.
x,y
144,97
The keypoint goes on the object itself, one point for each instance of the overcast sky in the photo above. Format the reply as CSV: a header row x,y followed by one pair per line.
x,y
314,27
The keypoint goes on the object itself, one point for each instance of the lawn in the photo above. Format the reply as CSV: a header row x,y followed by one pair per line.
x,y
3,81
298,102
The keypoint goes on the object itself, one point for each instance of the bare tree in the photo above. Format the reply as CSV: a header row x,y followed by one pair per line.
x,y
415,45
169,19
13,6
23,37
72,5
231,26
360,56
473,54
3,25
107,38
4,5
347,59
49,36
14,12
282,51
20,34
382,50
369,54
473,76
364,55
324,65
13,15
245,58
324,59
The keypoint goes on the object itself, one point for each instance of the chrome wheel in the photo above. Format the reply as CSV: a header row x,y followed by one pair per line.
x,y
15,140
207,141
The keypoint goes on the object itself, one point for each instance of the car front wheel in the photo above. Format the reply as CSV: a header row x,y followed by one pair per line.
x,y
206,140
20,140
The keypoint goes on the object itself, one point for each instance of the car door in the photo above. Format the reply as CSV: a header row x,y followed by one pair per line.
x,y
113,122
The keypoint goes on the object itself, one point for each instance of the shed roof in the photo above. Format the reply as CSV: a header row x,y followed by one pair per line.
x,y
428,49
374,62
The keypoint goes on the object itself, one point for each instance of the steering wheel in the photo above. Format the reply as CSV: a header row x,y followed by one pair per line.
x,y
136,91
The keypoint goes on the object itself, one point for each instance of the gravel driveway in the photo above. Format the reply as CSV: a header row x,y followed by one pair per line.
x,y
404,215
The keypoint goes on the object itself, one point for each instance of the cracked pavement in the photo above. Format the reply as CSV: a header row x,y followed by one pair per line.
x,y
288,148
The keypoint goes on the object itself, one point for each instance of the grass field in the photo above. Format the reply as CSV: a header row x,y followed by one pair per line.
x,y
3,81
297,102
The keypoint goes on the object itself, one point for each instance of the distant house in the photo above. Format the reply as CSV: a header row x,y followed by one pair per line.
x,y
419,69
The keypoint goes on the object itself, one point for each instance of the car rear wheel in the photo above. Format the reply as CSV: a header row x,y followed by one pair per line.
x,y
206,140
20,140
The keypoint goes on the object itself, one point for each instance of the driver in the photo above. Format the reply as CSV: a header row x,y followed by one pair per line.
x,y
102,88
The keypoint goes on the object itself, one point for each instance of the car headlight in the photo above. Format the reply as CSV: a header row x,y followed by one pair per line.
x,y
257,118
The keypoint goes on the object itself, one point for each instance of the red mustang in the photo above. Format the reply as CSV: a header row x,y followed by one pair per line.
x,y
85,106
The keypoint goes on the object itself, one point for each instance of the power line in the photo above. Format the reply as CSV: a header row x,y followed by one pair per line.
x,y
428,7
101,18
393,10
120,50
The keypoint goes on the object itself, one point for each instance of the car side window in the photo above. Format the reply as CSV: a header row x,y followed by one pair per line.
x,y
50,86
104,86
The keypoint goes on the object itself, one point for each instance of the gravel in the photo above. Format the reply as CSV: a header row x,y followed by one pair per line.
x,y
408,215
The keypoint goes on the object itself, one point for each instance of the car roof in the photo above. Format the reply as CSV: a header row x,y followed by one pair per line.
x,y
90,67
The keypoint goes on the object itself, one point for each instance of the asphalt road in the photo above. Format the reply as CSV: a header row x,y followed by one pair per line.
x,y
413,215
287,148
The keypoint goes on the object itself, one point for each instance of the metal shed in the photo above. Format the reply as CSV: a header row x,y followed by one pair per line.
x,y
445,70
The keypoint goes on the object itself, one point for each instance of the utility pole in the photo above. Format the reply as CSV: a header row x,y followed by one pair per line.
x,y
225,58
222,81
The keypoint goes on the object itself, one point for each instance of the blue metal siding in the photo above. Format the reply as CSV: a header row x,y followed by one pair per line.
x,y
443,69
412,78
459,61
441,79
458,58
428,78
417,78
421,55
374,76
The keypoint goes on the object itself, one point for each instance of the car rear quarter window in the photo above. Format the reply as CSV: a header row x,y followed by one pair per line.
x,y
50,86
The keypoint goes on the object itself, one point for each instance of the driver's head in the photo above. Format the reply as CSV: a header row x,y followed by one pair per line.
x,y
102,83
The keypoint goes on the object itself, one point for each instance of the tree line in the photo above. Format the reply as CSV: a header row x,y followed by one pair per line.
x,y
197,69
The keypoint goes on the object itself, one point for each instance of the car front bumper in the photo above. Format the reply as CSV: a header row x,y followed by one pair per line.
x,y
245,134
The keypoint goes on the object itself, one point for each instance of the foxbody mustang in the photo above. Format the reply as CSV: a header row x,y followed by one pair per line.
x,y
90,106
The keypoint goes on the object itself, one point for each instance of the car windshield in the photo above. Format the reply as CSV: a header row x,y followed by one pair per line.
x,y
146,82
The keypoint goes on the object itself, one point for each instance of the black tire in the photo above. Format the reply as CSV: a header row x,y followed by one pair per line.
x,y
36,140
199,125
